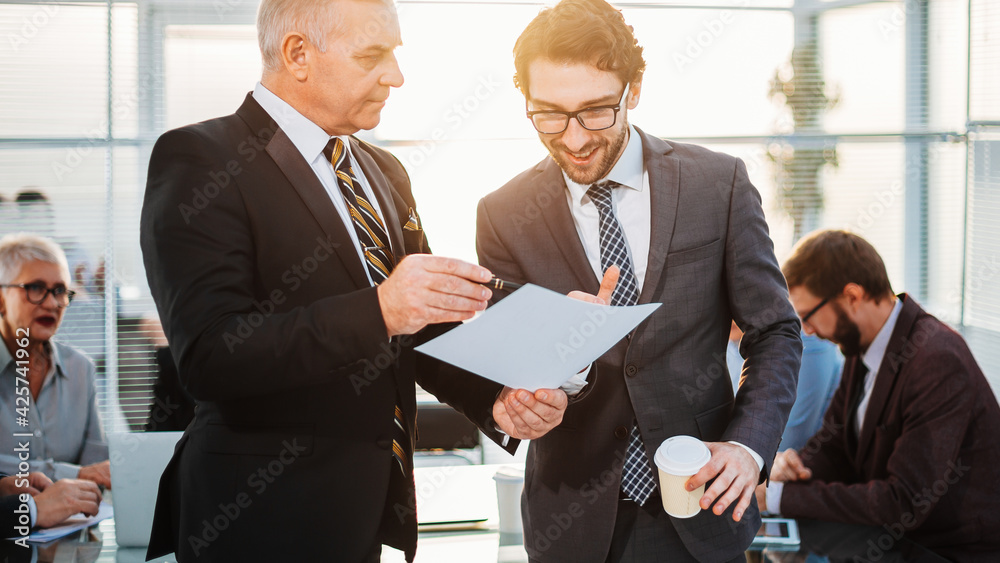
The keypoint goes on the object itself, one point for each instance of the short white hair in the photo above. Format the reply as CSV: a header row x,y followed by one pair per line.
x,y
18,249
316,19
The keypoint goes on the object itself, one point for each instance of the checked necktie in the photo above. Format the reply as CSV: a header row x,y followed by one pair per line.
x,y
378,256
637,477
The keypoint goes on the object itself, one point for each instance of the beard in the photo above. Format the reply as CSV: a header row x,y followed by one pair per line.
x,y
590,174
846,334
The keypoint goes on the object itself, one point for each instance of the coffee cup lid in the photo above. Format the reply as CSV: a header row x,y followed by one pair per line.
x,y
682,455
508,474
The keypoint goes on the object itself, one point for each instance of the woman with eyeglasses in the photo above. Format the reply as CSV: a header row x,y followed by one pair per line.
x,y
48,398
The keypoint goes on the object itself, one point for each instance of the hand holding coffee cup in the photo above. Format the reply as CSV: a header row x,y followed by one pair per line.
x,y
677,459
734,473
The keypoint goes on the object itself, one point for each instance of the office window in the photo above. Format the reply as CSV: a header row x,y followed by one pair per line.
x,y
879,117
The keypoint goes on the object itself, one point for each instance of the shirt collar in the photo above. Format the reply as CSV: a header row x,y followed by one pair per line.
x,y
872,357
6,358
627,171
310,139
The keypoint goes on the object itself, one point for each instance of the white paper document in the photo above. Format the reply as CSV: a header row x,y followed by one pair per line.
x,y
536,338
72,524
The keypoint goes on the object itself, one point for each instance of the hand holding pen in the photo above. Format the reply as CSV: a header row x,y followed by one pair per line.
x,y
424,289
497,283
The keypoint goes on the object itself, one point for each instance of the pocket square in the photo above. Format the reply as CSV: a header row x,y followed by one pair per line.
x,y
413,223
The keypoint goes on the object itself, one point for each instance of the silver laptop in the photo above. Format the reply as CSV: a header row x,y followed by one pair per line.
x,y
137,461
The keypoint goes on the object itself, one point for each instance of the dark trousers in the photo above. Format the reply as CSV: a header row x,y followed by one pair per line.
x,y
645,534
850,542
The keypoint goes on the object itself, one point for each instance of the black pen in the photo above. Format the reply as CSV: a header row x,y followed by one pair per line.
x,y
497,283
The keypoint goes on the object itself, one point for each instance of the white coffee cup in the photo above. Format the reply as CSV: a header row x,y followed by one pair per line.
x,y
677,459
510,483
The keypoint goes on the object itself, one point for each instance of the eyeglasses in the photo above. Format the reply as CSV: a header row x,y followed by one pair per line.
x,y
595,118
37,293
806,317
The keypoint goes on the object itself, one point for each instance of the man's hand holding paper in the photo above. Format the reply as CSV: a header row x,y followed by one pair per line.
x,y
525,415
537,339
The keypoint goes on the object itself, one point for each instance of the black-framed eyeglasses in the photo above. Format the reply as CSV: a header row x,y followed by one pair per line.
x,y
805,318
595,118
37,293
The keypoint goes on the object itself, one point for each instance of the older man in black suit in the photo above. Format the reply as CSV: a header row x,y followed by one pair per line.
x,y
284,258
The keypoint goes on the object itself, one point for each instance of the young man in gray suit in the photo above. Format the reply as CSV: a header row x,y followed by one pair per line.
x,y
685,228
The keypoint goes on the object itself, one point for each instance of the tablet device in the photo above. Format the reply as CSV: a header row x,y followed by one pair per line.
x,y
777,533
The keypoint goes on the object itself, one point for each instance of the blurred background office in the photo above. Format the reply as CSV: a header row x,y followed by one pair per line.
x,y
877,116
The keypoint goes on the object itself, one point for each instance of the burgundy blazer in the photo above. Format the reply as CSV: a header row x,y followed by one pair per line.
x,y
927,461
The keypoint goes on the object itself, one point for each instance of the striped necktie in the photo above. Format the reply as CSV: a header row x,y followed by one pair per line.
x,y
368,225
378,257
637,476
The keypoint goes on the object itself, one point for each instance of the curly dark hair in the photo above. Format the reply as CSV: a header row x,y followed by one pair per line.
x,y
587,31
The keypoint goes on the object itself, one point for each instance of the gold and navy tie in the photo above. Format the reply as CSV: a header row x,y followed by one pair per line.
x,y
369,226
378,255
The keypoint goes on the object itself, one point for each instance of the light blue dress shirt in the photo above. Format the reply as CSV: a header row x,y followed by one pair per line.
x,y
64,427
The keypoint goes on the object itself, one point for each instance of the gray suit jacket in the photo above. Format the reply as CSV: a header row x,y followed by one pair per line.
x,y
710,260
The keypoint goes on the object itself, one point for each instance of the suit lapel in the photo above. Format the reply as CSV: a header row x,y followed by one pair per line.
x,y
383,193
302,177
560,223
888,372
664,185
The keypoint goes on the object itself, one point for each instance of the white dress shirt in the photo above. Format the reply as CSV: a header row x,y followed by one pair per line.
x,y
872,358
632,207
310,140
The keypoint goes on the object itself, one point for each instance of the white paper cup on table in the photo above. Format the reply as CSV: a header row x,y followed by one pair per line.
x,y
510,483
677,459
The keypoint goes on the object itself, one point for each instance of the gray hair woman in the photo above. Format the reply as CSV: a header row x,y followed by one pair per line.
x,y
48,398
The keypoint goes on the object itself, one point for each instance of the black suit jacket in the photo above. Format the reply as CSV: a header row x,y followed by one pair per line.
x,y
279,337
8,518
710,261
927,461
